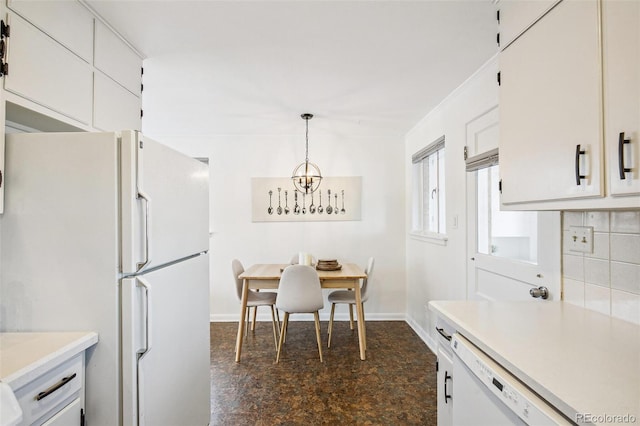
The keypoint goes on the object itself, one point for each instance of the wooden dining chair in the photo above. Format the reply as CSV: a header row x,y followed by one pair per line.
x,y
255,299
299,291
349,297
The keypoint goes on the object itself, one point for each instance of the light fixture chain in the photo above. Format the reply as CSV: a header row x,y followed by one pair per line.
x,y
307,143
306,177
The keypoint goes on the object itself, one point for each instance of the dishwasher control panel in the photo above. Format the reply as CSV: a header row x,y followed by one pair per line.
x,y
518,398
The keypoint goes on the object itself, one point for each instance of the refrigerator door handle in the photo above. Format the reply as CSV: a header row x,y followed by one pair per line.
x,y
148,329
147,321
147,230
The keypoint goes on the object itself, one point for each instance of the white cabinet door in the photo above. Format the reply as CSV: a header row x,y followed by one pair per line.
x,y
550,108
621,49
517,15
2,114
53,17
68,416
115,108
445,384
43,71
116,59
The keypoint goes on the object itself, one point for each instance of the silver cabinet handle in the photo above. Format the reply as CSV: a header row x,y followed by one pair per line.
x,y
55,387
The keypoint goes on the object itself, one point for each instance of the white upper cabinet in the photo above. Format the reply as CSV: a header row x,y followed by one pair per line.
x,y
66,64
515,16
570,109
550,108
44,72
621,36
54,18
115,59
2,169
115,108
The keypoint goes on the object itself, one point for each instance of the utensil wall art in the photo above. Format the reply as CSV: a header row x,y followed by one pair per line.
x,y
312,209
342,196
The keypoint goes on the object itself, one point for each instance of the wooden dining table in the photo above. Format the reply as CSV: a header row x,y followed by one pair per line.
x,y
267,276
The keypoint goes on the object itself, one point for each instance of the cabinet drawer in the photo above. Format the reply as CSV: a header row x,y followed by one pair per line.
x,y
53,394
68,416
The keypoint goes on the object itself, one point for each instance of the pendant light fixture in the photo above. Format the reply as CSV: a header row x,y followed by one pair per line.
x,y
306,177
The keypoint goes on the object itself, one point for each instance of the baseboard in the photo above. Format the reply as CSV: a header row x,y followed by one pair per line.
x,y
266,317
423,334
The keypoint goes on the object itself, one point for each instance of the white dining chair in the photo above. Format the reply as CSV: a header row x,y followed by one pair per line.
x,y
299,291
295,260
255,299
349,297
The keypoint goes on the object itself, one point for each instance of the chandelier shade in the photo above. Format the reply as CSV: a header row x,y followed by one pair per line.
x,y
306,176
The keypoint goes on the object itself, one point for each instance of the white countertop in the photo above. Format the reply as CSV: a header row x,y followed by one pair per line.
x,y
579,360
24,356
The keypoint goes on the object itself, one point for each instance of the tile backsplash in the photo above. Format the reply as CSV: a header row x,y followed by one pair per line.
x,y
608,279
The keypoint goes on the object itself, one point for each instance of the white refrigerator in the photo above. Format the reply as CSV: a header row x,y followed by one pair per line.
x,y
109,232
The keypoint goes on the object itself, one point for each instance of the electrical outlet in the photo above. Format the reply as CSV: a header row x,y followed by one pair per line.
x,y
580,239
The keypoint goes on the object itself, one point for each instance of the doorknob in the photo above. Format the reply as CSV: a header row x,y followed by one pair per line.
x,y
540,292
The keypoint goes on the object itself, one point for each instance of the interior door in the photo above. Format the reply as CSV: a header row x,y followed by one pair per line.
x,y
166,345
492,275
508,252
165,202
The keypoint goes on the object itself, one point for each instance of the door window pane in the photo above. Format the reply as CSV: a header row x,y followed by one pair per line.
x,y
512,235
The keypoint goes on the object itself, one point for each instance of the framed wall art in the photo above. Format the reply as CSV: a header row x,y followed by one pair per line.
x,y
276,200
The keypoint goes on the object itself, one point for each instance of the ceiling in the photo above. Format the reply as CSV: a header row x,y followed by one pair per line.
x,y
367,68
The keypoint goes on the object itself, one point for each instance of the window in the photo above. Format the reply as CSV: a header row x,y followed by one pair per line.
x,y
429,190
507,234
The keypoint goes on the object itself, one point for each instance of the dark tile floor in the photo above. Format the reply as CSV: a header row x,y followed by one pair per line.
x,y
395,385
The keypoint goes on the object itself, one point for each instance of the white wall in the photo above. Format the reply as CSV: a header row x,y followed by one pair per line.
x,y
235,159
436,271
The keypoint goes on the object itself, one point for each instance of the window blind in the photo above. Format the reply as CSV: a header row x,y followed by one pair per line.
x,y
481,161
428,150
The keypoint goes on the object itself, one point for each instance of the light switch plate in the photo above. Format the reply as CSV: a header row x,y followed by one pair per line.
x,y
580,239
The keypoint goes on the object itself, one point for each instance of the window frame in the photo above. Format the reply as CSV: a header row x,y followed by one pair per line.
x,y
424,213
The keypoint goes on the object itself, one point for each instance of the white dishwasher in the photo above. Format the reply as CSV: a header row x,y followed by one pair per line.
x,y
488,395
